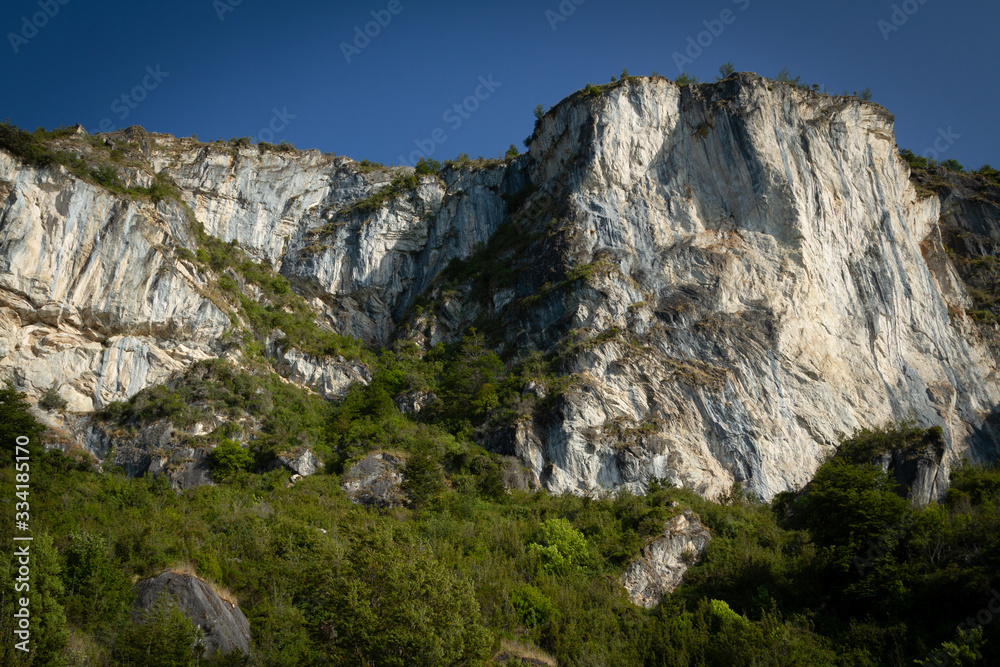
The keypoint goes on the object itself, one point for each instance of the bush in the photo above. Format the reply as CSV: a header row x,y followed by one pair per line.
x,y
532,606
511,153
539,112
685,79
51,400
228,458
163,636
426,167
391,603
727,70
560,546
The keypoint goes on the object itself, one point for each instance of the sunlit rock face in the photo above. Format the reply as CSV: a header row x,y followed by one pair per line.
x,y
744,270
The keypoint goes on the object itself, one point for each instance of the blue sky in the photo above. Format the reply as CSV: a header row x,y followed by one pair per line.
x,y
224,68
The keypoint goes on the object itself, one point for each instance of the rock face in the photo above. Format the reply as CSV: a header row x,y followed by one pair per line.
x,y
301,462
733,275
376,481
664,560
225,626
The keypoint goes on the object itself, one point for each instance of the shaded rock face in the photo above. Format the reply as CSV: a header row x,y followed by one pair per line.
x,y
376,481
225,626
663,561
154,449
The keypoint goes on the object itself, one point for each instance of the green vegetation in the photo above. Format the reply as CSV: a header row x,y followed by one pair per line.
x,y
844,573
288,416
727,70
51,400
685,79
400,185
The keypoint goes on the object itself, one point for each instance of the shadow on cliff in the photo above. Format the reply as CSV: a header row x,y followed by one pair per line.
x,y
984,442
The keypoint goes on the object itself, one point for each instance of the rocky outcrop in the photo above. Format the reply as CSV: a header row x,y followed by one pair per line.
x,y
735,273
376,480
301,462
663,561
734,276
224,625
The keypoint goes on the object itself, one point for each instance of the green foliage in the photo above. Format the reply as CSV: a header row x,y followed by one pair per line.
x,y
539,112
162,636
685,79
228,458
511,153
727,70
392,603
423,476
427,167
532,606
97,590
400,184
560,547
953,165
784,76
51,400
289,416
16,421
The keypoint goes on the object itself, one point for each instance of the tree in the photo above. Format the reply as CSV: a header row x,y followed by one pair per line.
x,y
391,603
97,590
684,79
162,636
50,635
228,458
539,112
512,152
15,422
423,476
560,546
727,70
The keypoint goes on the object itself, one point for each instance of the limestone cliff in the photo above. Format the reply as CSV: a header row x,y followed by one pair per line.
x,y
734,275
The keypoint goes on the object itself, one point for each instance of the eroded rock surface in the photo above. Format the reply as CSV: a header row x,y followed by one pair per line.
x,y
376,480
663,561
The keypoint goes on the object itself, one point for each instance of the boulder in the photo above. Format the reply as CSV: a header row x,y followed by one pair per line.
x,y
224,625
